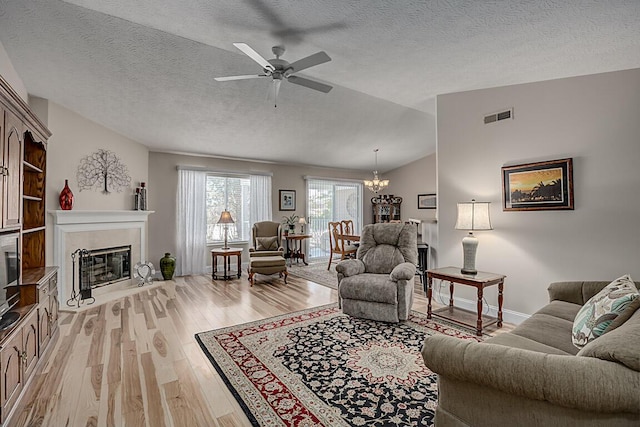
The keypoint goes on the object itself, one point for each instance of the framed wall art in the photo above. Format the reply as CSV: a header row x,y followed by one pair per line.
x,y
427,201
287,200
538,186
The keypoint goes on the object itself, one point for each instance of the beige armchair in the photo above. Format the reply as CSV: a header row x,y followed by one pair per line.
x,y
266,255
379,283
266,239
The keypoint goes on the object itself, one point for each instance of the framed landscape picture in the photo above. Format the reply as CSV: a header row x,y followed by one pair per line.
x,y
287,200
538,186
427,201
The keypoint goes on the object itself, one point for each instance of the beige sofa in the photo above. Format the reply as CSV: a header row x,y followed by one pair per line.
x,y
534,376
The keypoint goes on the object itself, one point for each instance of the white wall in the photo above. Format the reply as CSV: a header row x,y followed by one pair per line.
x,y
10,75
75,137
417,177
163,185
593,119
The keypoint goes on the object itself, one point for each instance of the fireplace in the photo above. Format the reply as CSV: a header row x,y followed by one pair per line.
x,y
100,267
110,230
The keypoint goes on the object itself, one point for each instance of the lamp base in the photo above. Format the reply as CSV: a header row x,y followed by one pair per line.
x,y
469,247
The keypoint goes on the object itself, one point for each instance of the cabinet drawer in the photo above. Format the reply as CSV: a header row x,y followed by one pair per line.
x,y
43,295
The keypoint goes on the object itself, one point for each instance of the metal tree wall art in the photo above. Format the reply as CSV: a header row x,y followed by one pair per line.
x,y
103,170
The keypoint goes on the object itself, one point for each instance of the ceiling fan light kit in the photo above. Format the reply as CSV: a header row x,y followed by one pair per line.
x,y
279,69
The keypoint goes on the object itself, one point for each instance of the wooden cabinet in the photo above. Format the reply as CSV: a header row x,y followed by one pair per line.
x,y
386,208
47,309
23,145
11,170
18,359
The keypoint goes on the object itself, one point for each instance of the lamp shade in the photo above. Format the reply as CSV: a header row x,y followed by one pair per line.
x,y
302,220
473,216
225,218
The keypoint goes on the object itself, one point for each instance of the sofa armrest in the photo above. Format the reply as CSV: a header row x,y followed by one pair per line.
x,y
566,291
583,383
403,271
350,267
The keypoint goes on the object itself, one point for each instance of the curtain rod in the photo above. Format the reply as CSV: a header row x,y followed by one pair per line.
x,y
325,178
222,171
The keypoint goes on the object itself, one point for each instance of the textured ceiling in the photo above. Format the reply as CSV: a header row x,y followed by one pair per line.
x,y
145,68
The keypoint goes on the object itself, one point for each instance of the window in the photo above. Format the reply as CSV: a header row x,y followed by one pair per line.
x,y
230,193
327,201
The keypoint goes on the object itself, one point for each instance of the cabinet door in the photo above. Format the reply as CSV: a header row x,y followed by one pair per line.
x,y
30,344
10,372
43,325
12,161
53,311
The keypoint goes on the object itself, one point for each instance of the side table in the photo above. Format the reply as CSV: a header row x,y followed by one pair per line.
x,y
296,251
226,255
461,316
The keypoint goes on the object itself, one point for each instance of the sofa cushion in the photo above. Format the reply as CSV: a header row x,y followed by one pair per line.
x,y
621,345
597,314
548,330
267,243
267,261
561,309
517,341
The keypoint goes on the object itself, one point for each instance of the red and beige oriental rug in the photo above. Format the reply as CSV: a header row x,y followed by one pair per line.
x,y
319,367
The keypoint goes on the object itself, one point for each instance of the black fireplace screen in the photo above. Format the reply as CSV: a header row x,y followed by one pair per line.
x,y
101,267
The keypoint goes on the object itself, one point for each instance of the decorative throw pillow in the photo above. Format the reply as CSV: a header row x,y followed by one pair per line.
x,y
596,315
267,243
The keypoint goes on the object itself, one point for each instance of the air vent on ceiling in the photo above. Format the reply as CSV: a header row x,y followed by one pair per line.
x,y
496,117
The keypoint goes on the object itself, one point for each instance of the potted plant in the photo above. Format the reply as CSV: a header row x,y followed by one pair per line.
x,y
291,222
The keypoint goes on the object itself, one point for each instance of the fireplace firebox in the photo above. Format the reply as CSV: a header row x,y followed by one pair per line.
x,y
100,267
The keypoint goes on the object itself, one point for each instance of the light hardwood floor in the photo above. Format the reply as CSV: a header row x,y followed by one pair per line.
x,y
134,361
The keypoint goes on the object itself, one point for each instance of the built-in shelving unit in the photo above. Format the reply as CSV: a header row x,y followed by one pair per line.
x,y
33,203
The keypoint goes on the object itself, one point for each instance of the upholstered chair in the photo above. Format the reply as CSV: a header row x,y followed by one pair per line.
x,y
266,239
378,283
266,255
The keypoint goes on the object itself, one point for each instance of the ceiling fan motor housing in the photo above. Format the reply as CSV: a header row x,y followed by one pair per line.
x,y
282,68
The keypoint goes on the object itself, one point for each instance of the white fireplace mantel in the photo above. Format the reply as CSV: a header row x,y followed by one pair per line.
x,y
91,217
93,227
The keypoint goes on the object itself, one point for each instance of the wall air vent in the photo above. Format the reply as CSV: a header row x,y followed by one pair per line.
x,y
496,117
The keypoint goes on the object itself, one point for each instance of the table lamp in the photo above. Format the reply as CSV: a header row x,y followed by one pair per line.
x,y
225,219
302,221
472,216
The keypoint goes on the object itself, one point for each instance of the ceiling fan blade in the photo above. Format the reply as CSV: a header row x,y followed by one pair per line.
x,y
310,61
311,84
250,76
247,50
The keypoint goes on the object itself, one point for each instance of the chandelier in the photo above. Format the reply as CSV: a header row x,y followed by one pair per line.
x,y
376,184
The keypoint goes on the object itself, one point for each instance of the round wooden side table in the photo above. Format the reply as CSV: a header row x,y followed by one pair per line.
x,y
226,255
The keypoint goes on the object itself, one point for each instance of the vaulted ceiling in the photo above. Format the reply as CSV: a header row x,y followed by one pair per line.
x,y
145,68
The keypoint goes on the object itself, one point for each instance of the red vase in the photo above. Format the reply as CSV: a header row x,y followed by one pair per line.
x,y
66,197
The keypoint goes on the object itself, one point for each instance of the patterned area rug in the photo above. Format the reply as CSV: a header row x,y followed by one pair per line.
x,y
319,367
316,272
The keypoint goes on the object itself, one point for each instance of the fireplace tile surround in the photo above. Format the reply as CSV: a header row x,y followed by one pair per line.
x,y
93,229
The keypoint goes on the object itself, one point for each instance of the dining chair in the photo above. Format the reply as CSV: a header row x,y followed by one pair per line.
x,y
338,245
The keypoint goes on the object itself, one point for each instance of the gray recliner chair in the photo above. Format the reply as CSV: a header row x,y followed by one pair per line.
x,y
378,284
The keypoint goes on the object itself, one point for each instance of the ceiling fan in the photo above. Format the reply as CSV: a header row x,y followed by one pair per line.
x,y
279,69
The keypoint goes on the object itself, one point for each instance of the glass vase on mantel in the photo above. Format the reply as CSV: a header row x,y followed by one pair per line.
x,y
66,197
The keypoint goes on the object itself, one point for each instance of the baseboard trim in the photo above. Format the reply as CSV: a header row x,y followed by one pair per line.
x,y
509,316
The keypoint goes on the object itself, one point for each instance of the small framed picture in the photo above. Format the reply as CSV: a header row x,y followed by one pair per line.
x,y
287,200
427,201
538,186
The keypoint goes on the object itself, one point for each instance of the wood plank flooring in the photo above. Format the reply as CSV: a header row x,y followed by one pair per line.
x,y
134,361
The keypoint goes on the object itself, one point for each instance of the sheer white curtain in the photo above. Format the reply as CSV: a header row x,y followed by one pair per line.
x,y
260,203
191,223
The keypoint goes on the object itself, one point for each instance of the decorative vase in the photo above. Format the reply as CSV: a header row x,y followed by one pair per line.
x,y
167,266
292,228
66,197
